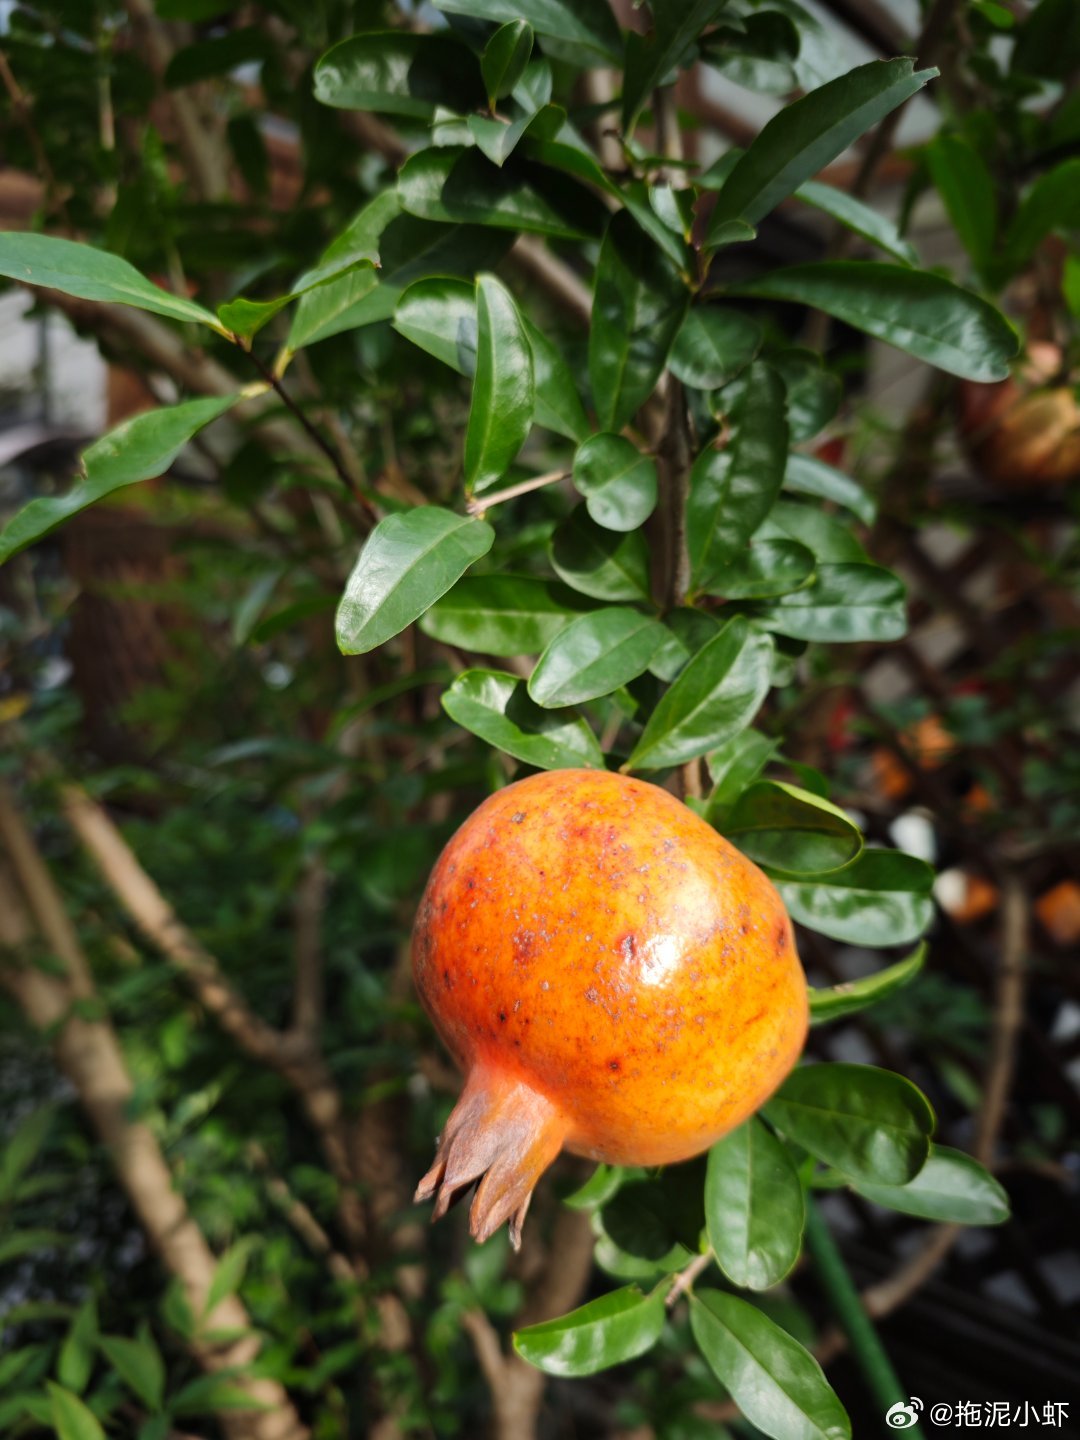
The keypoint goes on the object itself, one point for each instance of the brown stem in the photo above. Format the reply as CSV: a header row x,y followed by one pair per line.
x,y
307,929
479,504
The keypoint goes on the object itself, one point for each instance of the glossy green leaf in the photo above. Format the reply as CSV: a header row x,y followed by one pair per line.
x,y
836,1001
602,1185
505,57
713,344
790,829
859,218
968,192
398,72
77,1353
813,393
91,274
139,1364
450,183
734,766
1052,203
808,134
807,475
581,23
829,538
776,1383
503,391
924,314
688,630
951,1187
767,568
732,490
868,1123
844,603
617,480
596,654
439,315
497,707
650,59
754,1206
323,307
605,1332
498,139
139,449
759,55
501,614
601,563
407,562
638,307
71,1419
716,695
229,1273
881,899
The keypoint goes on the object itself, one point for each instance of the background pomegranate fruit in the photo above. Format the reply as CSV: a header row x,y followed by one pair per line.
x,y
611,975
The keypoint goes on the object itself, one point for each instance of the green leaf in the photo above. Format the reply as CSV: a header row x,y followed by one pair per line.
x,y
754,1206
397,72
498,709
767,568
830,539
776,1383
1048,41
407,562
207,1394
732,490
789,829
23,1148
615,1328
439,315
502,399
229,1273
1052,203
70,1417
451,183
840,1000
585,23
139,449
501,614
602,1185
844,603
968,192
505,57
91,274
861,219
807,135
950,1187
688,630
882,898
594,655
601,563
807,475
76,1361
139,1365
717,695
924,314
618,482
758,56
813,393
871,1124
713,345
651,58
732,767
498,139
638,306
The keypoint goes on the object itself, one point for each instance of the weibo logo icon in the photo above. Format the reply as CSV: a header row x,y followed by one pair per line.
x,y
903,1417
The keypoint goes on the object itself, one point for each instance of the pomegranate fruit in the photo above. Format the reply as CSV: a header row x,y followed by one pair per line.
x,y
611,975
1023,432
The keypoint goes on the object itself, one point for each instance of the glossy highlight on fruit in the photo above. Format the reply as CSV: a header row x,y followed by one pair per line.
x,y
611,975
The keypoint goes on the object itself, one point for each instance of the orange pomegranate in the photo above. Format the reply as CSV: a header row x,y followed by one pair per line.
x,y
612,976
1025,431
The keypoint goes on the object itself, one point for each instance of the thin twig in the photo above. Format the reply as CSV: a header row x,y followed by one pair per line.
x,y
684,1280
340,469
479,504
